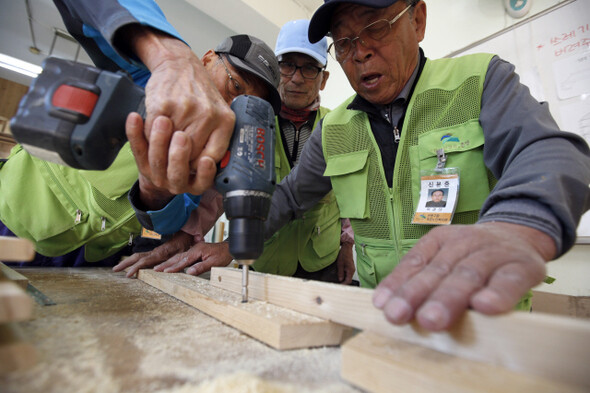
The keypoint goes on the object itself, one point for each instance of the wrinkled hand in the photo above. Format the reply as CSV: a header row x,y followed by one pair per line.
x,y
202,256
345,264
180,90
487,267
180,242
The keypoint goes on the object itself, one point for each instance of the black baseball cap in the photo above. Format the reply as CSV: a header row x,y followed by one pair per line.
x,y
320,21
251,54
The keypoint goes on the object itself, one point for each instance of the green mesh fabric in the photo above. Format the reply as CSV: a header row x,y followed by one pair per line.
x,y
339,141
449,107
116,208
432,109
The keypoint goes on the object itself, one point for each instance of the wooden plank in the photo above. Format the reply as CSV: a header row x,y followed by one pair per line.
x,y
15,304
539,344
15,353
16,249
278,327
412,368
14,276
561,304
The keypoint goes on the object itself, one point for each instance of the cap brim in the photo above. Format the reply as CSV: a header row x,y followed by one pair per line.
x,y
319,25
313,54
274,97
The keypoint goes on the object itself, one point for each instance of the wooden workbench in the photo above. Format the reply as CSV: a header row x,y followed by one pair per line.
x,y
108,333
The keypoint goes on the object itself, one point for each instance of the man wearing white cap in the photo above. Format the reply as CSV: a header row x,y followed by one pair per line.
x,y
315,246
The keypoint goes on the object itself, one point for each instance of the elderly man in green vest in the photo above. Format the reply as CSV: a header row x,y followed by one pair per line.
x,y
316,246
416,125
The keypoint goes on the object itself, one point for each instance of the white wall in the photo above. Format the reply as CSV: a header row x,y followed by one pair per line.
x,y
451,25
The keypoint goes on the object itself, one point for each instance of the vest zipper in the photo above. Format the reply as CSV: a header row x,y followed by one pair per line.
x,y
103,224
78,216
130,242
396,136
363,245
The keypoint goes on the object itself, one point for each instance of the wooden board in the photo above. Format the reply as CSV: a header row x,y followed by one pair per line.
x,y
411,368
16,249
553,347
14,276
15,353
561,304
15,304
273,325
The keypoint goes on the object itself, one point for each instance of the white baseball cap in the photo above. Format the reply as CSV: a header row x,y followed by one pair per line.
x,y
293,38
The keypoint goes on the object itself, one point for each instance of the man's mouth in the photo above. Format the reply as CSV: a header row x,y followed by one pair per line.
x,y
370,80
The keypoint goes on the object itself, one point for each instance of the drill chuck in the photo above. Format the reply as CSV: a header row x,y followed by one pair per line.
x,y
246,211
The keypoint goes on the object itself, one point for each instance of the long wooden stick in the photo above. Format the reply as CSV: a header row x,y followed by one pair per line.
x,y
16,249
273,325
546,345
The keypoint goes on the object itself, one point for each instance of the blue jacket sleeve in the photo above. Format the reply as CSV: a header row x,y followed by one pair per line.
x,y
167,220
95,23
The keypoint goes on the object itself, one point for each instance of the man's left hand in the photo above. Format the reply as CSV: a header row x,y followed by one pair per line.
x,y
487,267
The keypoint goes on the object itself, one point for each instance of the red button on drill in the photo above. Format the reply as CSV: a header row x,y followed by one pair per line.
x,y
74,99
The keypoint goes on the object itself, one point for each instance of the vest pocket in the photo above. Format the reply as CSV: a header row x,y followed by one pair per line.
x,y
463,147
349,175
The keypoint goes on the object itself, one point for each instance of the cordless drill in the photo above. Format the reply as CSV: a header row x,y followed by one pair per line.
x,y
74,114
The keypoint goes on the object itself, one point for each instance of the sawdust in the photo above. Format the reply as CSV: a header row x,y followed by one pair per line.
x,y
245,383
108,333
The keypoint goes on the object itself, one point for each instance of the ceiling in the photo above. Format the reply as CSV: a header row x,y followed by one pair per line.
x,y
202,23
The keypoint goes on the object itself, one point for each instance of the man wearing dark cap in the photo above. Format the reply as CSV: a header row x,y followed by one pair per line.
x,y
315,246
523,182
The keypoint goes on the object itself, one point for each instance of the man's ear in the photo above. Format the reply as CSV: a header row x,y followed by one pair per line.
x,y
325,76
208,57
419,18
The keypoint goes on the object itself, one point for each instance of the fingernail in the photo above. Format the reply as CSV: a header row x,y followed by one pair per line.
x,y
398,310
381,296
433,316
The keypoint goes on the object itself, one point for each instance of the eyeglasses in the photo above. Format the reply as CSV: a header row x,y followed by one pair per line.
x,y
308,71
232,87
375,31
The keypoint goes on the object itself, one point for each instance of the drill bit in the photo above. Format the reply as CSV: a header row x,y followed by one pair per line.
x,y
245,269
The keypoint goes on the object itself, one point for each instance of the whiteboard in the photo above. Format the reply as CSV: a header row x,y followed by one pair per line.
x,y
551,53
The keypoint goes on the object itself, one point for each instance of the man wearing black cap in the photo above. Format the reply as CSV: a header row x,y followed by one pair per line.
x,y
523,182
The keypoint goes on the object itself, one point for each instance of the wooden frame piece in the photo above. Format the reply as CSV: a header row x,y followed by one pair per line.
x,y
277,327
413,368
553,347
14,276
16,249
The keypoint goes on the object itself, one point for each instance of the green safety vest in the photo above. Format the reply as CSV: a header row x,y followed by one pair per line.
x,y
313,240
446,100
61,209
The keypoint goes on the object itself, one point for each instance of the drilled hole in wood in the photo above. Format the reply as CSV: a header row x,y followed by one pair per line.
x,y
219,278
318,300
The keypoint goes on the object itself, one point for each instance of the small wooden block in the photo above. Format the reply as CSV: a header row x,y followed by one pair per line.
x,y
15,353
15,304
14,276
377,364
278,327
16,249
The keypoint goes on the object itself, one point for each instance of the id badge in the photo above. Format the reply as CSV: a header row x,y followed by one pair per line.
x,y
146,233
439,192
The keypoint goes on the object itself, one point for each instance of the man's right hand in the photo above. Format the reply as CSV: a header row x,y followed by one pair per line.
x,y
177,254
180,89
